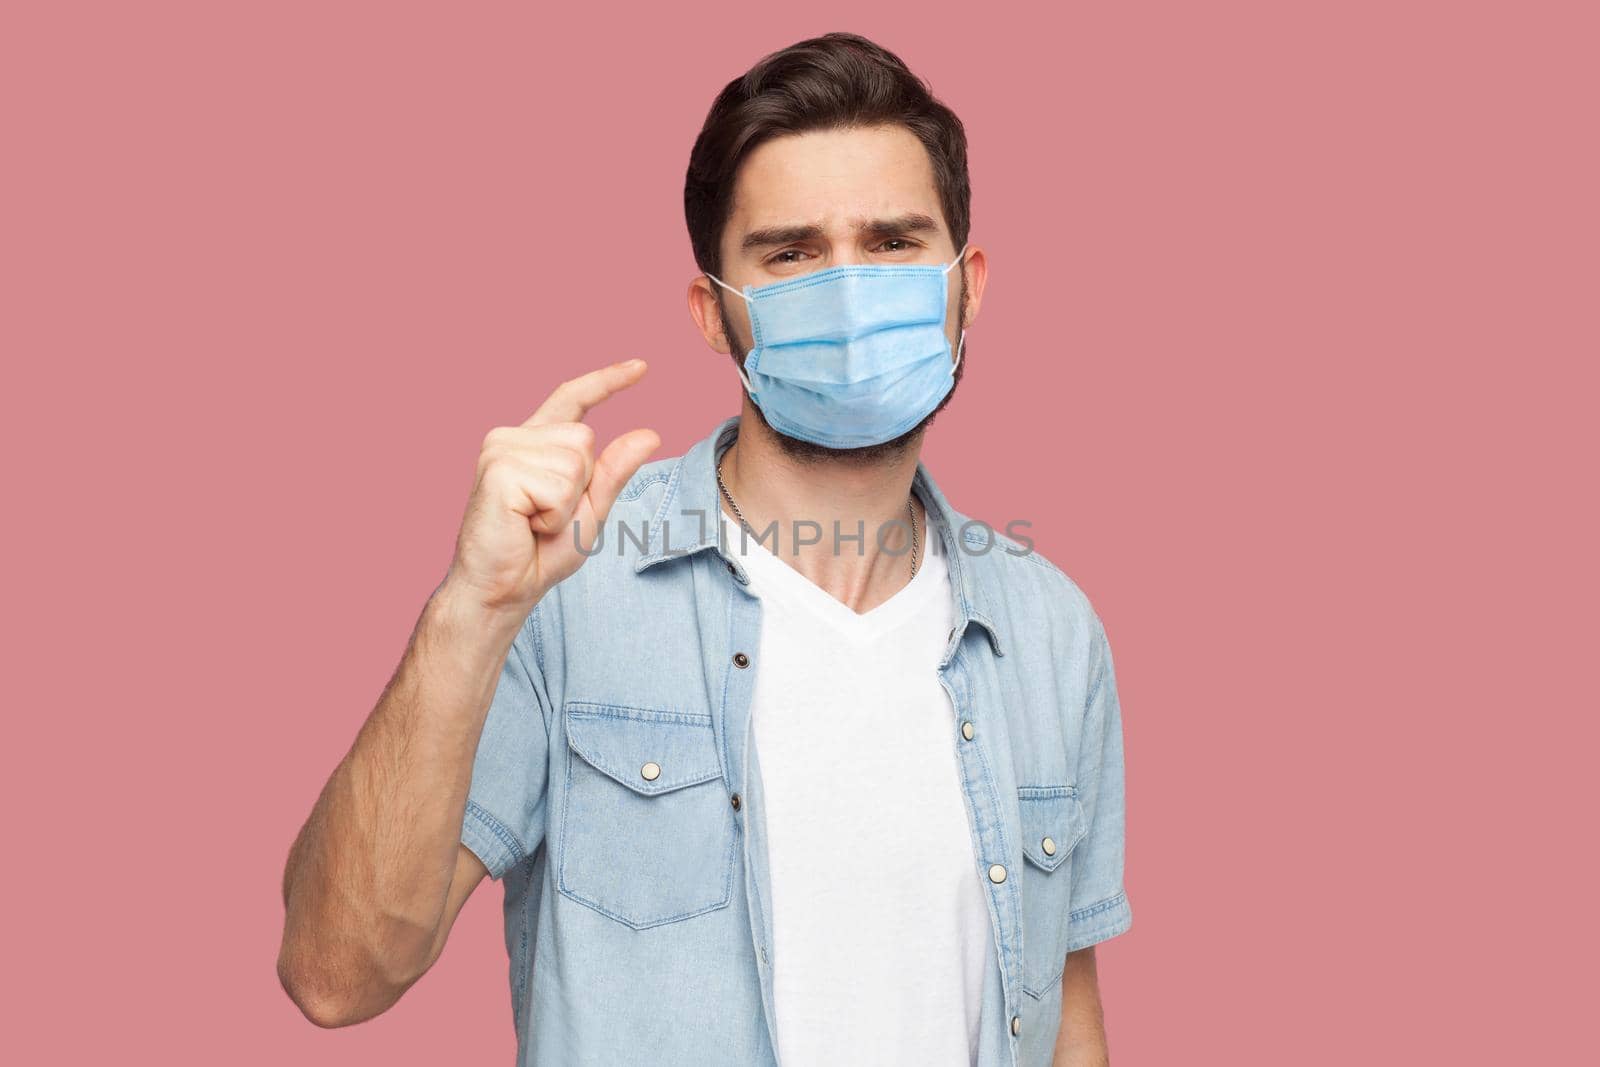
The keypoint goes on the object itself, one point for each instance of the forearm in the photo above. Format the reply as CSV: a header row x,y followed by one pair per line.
x,y
1081,1041
369,874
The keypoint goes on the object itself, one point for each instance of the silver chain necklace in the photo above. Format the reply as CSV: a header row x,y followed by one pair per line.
x,y
911,513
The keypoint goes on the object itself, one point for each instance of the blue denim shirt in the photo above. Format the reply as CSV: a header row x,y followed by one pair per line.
x,y
636,899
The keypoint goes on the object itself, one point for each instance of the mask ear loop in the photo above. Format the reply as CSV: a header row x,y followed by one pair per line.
x,y
728,287
953,262
746,299
962,343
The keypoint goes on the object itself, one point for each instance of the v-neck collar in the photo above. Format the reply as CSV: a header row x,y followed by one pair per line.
x,y
691,492
771,572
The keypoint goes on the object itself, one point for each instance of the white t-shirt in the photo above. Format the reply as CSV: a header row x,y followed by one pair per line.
x,y
881,934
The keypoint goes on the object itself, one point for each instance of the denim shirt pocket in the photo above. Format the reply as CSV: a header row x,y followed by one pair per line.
x,y
647,833
1053,822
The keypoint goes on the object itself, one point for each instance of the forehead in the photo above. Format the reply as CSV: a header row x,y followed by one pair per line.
x,y
832,177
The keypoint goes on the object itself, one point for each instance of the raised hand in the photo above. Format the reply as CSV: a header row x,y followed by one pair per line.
x,y
533,482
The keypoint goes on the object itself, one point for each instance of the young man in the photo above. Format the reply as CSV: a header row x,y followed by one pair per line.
x,y
849,794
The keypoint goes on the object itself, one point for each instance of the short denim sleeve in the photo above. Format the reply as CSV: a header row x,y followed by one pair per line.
x,y
505,818
1099,902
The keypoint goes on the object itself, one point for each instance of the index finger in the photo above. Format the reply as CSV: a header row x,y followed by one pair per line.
x,y
572,399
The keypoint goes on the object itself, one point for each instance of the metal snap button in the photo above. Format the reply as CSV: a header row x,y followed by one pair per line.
x,y
735,801
741,660
966,730
650,771
1016,1025
1049,846
997,874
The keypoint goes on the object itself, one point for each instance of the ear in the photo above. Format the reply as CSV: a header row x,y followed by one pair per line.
x,y
976,268
705,310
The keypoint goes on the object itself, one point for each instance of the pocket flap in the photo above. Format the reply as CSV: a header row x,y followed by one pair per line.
x,y
648,751
1052,823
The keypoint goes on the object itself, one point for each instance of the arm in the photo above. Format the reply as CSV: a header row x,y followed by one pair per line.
x,y
1081,1041
378,873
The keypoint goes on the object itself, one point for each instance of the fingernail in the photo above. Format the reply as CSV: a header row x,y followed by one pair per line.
x,y
635,362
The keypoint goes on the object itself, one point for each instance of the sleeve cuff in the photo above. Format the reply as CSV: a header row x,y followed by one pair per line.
x,y
490,840
1098,922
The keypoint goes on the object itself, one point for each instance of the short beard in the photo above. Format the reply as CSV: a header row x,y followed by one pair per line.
x,y
884,452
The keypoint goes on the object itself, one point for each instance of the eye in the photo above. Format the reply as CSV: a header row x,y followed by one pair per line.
x,y
782,258
903,243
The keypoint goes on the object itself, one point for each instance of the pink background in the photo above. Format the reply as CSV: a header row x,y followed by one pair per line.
x,y
1287,353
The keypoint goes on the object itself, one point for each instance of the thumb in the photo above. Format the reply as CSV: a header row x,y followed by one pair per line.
x,y
616,465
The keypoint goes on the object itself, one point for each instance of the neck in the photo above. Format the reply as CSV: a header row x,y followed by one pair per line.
x,y
809,495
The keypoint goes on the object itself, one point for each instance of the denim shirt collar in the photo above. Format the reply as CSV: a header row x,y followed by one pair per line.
x,y
686,523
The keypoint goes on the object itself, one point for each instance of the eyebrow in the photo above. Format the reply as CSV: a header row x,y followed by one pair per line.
x,y
913,222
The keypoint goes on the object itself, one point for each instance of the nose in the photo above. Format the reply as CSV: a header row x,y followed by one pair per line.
x,y
845,254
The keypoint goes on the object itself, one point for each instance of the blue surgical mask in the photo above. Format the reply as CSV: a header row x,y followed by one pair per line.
x,y
851,355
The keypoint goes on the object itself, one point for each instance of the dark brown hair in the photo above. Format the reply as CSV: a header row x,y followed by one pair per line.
x,y
836,80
